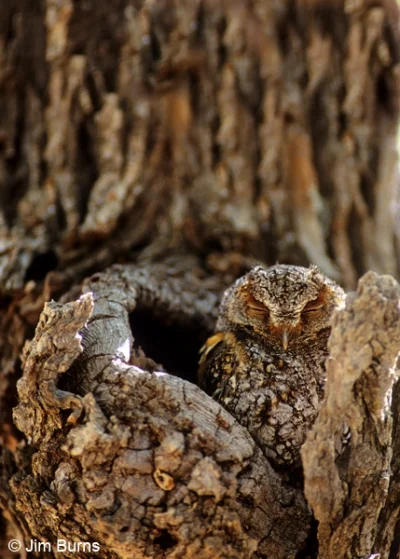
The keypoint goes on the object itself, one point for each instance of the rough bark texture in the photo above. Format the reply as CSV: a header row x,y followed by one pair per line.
x,y
147,465
347,499
262,127
191,138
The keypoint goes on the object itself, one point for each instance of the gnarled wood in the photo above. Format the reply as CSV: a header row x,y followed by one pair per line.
x,y
146,463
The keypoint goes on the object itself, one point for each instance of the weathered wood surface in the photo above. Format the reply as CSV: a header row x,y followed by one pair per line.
x,y
146,463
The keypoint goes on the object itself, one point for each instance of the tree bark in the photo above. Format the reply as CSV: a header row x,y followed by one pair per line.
x,y
148,465
165,147
361,373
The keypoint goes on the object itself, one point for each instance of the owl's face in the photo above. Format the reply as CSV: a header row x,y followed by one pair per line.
x,y
284,304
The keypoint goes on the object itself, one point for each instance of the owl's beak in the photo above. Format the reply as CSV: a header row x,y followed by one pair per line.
x,y
285,339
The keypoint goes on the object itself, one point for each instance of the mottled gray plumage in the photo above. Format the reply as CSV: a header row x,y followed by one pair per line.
x,y
266,362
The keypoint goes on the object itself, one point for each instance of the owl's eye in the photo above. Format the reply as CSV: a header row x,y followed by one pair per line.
x,y
313,306
256,308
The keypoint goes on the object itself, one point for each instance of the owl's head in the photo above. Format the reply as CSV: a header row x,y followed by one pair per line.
x,y
284,304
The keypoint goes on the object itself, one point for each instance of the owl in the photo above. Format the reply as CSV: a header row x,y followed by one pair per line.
x,y
266,362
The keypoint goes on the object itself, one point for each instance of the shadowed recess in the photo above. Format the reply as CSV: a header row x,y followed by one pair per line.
x,y
174,346
41,265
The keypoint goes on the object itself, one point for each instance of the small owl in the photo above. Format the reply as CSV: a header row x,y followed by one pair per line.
x,y
266,362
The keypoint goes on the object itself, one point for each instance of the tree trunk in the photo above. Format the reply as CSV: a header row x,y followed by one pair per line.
x,y
165,147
